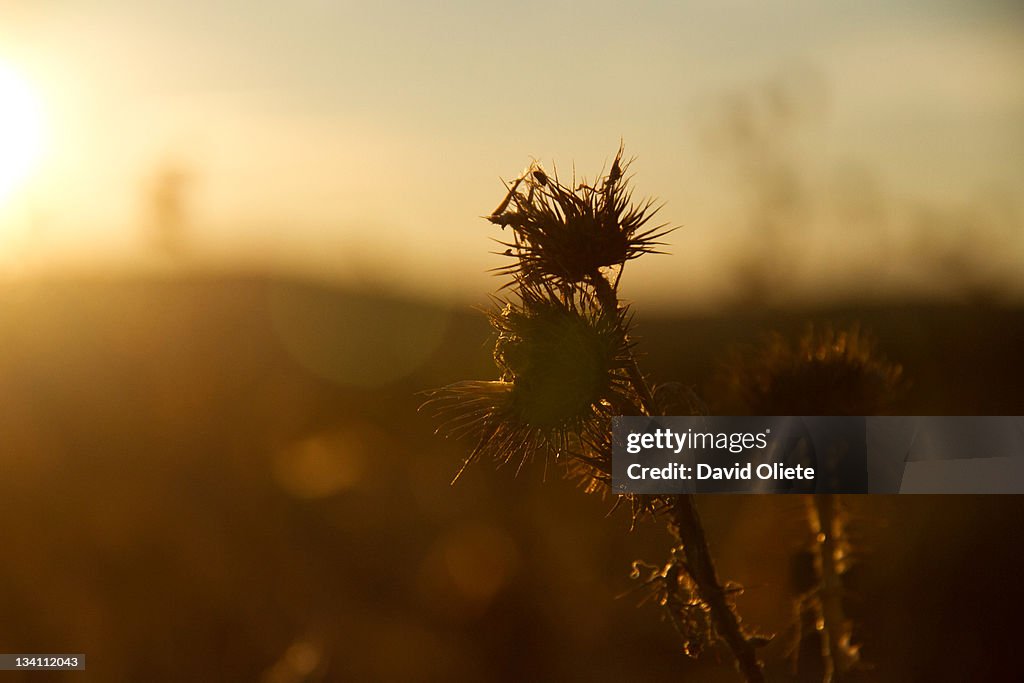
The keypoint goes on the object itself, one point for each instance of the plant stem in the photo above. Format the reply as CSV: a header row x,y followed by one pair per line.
x,y
610,304
826,521
690,532
688,529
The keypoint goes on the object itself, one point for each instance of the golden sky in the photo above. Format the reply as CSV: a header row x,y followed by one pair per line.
x,y
859,146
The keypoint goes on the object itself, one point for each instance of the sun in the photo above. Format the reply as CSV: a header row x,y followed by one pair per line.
x,y
21,131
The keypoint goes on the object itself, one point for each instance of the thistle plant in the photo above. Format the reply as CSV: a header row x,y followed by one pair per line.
x,y
565,361
827,371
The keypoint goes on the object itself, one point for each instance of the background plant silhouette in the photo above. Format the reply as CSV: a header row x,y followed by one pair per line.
x,y
827,371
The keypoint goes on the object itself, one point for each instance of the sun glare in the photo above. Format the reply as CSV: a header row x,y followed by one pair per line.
x,y
21,131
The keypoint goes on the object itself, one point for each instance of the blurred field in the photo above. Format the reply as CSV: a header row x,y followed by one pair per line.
x,y
225,478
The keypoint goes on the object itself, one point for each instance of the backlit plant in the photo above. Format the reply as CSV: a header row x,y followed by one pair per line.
x,y
565,365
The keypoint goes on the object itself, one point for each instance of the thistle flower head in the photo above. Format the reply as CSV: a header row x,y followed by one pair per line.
x,y
562,353
563,235
562,361
826,372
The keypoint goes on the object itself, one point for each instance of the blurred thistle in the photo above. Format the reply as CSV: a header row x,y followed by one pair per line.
x,y
566,367
827,371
